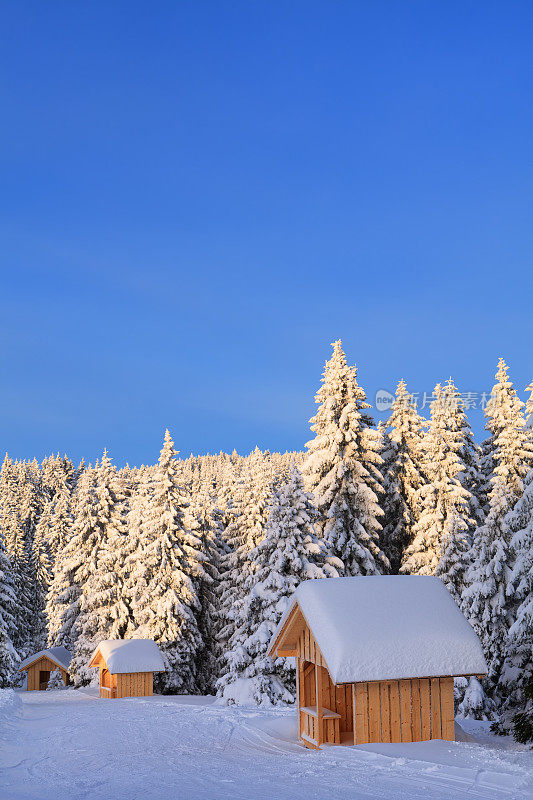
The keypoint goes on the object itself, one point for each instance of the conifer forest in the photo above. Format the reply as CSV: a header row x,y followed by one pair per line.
x,y
202,554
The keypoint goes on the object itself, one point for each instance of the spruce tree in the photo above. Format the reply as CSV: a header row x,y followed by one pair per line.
x,y
101,610
289,553
441,534
529,406
403,475
41,562
485,600
508,451
56,681
74,563
250,507
342,470
204,521
16,525
166,608
9,658
517,671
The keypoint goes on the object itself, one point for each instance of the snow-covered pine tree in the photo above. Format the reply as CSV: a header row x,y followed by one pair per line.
x,y
517,671
134,573
60,518
457,544
529,406
485,600
56,681
9,658
74,563
441,534
508,450
204,520
342,470
13,500
41,563
102,611
402,475
523,719
289,553
250,507
166,609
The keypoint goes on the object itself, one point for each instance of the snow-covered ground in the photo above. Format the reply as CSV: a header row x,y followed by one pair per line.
x,y
70,744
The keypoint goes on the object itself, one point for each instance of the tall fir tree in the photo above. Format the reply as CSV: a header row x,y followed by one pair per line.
x,y
529,406
402,474
289,553
204,521
166,608
441,533
42,567
102,612
16,533
507,454
342,470
517,670
454,559
249,513
74,563
9,658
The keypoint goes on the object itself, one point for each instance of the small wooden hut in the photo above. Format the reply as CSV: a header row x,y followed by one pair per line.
x,y
376,658
127,667
41,665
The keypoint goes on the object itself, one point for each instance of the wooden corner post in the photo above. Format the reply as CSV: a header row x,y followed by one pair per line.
x,y
319,714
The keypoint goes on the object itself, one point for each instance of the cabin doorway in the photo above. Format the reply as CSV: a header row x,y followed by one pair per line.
x,y
44,677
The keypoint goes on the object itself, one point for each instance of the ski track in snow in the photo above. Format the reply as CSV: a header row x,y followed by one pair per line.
x,y
72,745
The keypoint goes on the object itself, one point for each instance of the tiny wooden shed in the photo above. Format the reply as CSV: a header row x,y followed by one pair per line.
x,y
375,658
41,665
127,667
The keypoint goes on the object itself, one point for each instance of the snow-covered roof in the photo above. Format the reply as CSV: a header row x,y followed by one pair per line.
x,y
59,655
130,655
387,628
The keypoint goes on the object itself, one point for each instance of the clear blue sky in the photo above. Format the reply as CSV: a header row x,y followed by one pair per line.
x,y
198,197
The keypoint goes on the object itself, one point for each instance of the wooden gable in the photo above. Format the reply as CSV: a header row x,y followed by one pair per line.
x,y
43,664
97,660
296,640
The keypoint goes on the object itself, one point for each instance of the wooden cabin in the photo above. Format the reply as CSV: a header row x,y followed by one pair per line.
x,y
376,658
41,665
127,667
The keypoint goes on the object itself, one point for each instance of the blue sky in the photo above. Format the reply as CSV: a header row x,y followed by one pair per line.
x,y
198,197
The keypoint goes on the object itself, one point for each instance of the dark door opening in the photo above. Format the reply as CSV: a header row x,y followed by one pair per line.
x,y
44,677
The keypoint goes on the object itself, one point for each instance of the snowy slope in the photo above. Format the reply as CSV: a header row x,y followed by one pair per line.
x,y
388,627
71,744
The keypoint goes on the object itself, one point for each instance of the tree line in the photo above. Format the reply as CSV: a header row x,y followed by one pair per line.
x,y
202,554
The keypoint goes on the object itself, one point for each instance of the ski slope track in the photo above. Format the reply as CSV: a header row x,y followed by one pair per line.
x,y
72,745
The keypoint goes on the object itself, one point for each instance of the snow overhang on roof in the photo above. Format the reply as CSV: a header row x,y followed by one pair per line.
x,y
130,655
59,655
386,627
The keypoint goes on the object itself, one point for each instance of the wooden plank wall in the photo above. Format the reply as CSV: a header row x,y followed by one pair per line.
x,y
404,711
339,699
129,684
307,648
135,684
